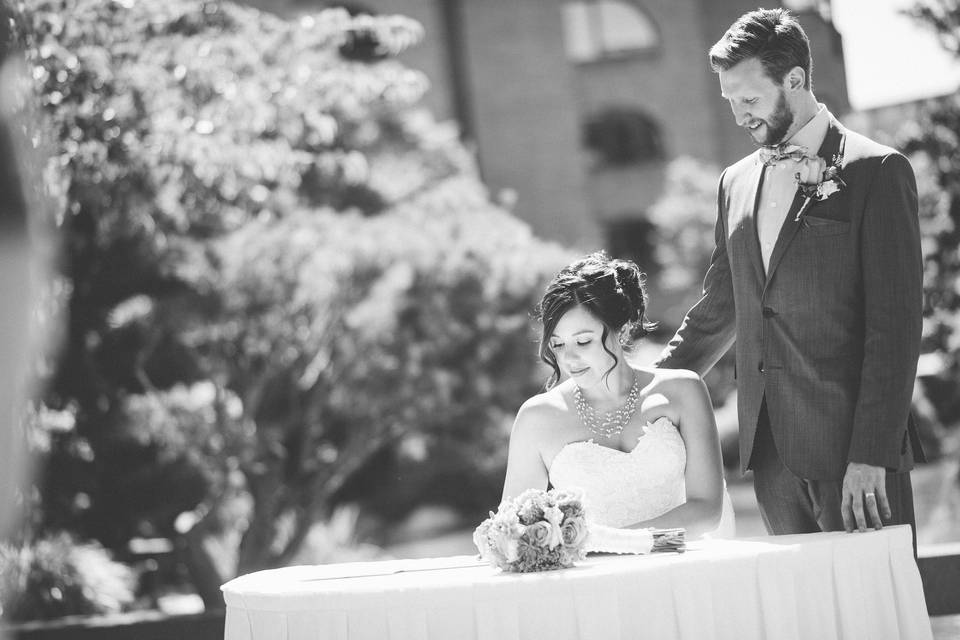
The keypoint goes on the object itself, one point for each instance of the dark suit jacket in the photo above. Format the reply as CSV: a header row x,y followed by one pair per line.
x,y
830,335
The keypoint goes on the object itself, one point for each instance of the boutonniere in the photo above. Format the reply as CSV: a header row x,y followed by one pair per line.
x,y
818,181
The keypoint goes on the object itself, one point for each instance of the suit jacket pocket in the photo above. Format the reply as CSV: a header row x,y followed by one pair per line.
x,y
815,226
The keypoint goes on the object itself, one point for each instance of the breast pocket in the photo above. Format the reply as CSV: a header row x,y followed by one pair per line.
x,y
814,226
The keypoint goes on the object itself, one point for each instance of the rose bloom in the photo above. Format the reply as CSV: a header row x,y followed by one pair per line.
x,y
539,534
573,532
572,509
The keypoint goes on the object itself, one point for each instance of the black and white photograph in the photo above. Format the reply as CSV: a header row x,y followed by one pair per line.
x,y
479,320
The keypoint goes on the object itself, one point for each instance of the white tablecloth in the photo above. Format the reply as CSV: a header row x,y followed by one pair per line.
x,y
816,586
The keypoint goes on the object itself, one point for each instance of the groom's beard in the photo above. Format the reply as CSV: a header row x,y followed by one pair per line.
x,y
778,124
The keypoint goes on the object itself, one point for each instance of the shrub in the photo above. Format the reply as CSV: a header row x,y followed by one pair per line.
x,y
59,576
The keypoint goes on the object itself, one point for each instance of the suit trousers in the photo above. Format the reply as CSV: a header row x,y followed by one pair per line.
x,y
790,504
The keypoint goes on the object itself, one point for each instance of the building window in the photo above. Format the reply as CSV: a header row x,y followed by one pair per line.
x,y
600,29
633,237
623,136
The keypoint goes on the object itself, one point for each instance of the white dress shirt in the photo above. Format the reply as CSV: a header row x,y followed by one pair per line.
x,y
780,183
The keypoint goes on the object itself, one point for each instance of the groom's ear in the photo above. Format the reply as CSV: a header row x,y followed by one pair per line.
x,y
795,78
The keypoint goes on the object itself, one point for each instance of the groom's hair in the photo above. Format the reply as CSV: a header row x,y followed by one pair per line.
x,y
772,36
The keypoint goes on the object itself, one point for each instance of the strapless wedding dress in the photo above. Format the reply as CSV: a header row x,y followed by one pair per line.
x,y
622,488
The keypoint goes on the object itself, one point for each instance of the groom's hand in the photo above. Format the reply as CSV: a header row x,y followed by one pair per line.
x,y
864,496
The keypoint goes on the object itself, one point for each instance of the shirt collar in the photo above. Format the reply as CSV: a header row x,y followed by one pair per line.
x,y
812,134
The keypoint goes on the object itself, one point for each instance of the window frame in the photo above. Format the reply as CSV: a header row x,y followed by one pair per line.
x,y
598,39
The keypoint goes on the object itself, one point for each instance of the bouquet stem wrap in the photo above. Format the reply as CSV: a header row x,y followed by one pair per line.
x,y
606,539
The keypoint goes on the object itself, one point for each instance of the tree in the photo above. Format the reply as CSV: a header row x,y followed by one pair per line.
x,y
943,18
405,324
934,140
274,266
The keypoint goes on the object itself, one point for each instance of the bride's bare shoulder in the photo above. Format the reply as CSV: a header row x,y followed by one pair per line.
x,y
676,384
547,404
544,410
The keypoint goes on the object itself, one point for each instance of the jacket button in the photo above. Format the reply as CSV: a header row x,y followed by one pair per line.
x,y
768,312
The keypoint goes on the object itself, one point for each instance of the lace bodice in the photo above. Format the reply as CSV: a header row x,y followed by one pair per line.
x,y
622,488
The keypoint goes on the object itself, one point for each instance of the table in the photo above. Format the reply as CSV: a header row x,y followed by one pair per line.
x,y
825,585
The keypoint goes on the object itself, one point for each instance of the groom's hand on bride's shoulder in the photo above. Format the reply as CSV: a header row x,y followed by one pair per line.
x,y
864,497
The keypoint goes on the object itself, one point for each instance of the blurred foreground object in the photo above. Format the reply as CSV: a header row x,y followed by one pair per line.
x,y
22,267
16,287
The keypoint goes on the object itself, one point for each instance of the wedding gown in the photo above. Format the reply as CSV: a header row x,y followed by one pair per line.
x,y
622,488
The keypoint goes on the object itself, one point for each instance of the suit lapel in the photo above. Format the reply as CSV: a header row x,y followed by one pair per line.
x,y
829,148
755,182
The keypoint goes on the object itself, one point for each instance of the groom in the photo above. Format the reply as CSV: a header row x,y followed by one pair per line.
x,y
817,277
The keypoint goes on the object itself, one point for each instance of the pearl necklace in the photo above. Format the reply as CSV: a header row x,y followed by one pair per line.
x,y
611,423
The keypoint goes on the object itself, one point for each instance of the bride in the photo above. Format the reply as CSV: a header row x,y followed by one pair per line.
x,y
640,443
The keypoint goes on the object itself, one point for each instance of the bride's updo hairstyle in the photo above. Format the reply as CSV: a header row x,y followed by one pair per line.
x,y
612,291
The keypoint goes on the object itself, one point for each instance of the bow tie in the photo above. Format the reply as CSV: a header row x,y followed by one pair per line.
x,y
771,155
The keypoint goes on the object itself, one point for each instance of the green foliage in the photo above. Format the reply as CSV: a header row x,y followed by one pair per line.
x,y
685,216
59,576
943,18
934,142
935,145
275,266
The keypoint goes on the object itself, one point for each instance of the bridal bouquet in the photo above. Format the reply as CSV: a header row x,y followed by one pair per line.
x,y
536,531
543,530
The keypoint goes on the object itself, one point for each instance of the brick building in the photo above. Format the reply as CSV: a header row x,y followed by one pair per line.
x,y
525,78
